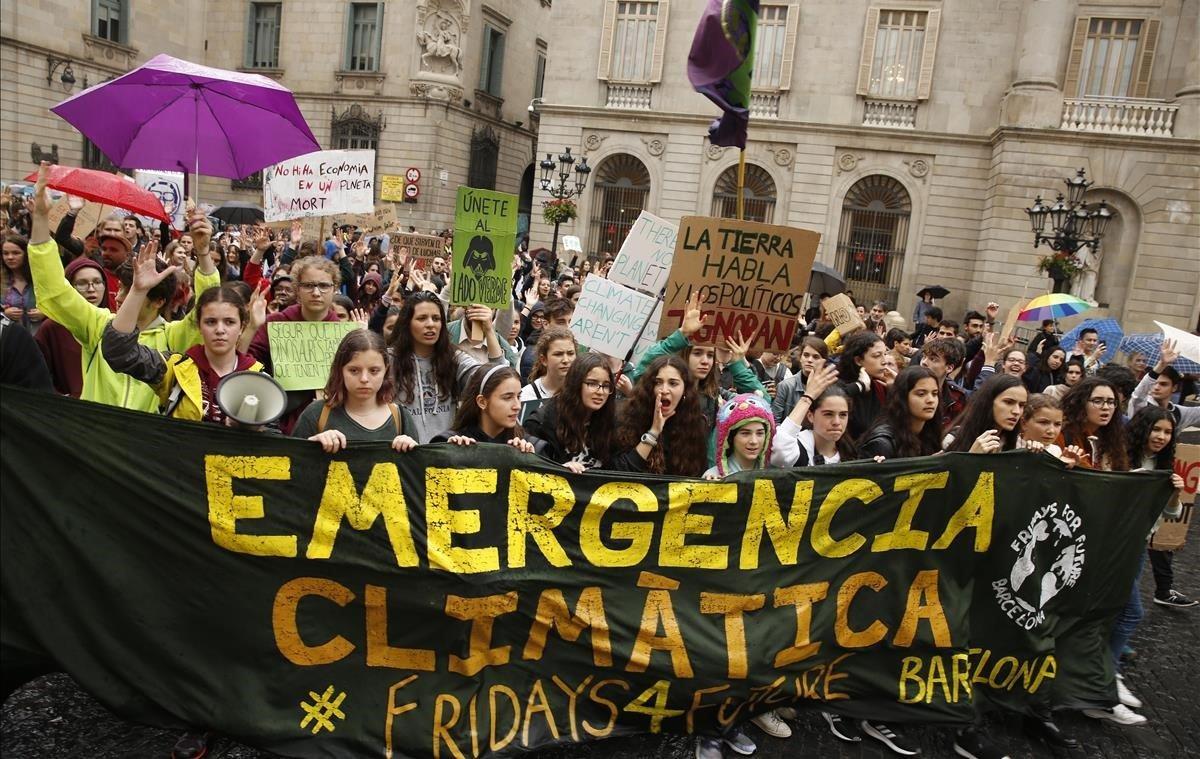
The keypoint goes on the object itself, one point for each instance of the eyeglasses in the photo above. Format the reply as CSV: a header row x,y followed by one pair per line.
x,y
82,286
315,287
601,387
1103,402
1014,360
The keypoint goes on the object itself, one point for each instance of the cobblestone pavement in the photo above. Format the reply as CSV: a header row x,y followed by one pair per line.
x,y
52,717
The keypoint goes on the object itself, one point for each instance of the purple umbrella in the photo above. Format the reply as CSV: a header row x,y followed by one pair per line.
x,y
169,114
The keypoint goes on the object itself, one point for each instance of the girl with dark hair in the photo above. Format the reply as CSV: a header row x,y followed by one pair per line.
x,y
906,426
488,412
429,372
990,422
553,356
658,430
702,366
864,377
814,433
16,284
899,343
358,403
1149,442
577,424
186,383
1072,373
1092,421
1048,371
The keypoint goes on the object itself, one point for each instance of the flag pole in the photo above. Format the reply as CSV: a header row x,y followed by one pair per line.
x,y
741,182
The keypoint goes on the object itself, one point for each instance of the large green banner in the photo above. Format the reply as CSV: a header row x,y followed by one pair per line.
x,y
458,603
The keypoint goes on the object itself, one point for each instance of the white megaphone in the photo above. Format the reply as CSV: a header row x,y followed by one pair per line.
x,y
252,399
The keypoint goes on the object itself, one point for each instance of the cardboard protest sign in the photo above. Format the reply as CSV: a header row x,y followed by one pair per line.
x,y
323,183
1172,535
382,218
644,261
302,352
167,186
88,218
840,310
391,187
421,248
609,316
752,277
485,236
311,227
1010,322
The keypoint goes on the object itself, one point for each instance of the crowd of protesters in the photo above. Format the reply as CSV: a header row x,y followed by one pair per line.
x,y
153,322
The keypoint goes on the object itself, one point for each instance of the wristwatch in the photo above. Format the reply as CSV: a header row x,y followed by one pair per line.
x,y
650,439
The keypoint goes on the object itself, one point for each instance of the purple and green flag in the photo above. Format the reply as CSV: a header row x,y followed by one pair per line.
x,y
721,63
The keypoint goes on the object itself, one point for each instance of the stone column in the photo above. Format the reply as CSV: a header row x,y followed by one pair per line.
x,y
1035,97
1187,120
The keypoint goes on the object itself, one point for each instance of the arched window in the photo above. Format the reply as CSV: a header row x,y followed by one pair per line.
x,y
872,238
485,155
353,129
621,187
758,195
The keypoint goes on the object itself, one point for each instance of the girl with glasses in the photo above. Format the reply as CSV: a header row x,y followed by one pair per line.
x,y
577,424
1092,422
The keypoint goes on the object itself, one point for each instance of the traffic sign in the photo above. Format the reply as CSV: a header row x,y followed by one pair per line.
x,y
413,175
411,191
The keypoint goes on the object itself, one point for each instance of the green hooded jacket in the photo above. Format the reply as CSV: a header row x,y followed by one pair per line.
x,y
60,301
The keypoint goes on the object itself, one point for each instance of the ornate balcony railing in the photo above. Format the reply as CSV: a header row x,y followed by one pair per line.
x,y
896,114
764,105
1149,118
629,97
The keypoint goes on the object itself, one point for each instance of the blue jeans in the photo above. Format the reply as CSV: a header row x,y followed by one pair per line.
x,y
1129,618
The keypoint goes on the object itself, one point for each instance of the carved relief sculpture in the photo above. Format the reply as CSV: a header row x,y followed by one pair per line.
x,y
440,39
441,29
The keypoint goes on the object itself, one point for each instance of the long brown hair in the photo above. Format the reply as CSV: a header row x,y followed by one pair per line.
x,y
355,342
23,244
1110,437
683,448
444,360
597,433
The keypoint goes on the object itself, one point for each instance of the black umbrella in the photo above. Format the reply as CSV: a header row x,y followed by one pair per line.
x,y
826,279
238,213
937,291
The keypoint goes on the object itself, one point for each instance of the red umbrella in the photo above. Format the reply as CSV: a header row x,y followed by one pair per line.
x,y
102,187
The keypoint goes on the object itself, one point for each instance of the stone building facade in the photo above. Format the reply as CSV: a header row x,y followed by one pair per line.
x,y
444,86
911,133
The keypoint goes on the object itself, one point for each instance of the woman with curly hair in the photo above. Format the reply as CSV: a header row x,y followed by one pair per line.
x,y
905,426
430,373
1092,421
991,421
578,422
658,432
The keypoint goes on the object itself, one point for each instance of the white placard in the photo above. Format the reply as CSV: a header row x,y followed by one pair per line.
x,y
1187,344
167,186
609,316
571,243
320,184
650,336
644,261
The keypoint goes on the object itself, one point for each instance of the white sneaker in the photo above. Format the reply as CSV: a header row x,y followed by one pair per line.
x,y
1121,714
1125,696
772,725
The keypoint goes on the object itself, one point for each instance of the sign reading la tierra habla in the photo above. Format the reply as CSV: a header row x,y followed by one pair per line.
x,y
752,278
474,602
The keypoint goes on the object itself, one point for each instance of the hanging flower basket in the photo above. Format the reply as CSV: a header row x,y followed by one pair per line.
x,y
1060,266
559,211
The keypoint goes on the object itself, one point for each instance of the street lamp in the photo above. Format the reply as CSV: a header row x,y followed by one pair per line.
x,y
1073,223
554,180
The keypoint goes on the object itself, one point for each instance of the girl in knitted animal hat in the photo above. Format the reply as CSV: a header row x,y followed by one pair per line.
x,y
745,427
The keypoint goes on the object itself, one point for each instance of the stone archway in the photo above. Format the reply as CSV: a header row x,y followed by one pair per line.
x,y
1118,250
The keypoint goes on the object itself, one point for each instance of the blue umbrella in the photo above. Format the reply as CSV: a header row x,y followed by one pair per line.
x,y
1109,330
1150,346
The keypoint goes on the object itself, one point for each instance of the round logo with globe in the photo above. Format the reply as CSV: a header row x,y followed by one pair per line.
x,y
168,193
1050,553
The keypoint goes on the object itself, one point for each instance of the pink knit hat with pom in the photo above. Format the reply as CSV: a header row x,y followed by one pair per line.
x,y
738,412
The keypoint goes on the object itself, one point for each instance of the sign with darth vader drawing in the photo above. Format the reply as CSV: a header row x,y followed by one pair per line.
x,y
485,237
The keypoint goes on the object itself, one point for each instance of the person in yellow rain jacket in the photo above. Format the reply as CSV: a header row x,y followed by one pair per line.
x,y
60,301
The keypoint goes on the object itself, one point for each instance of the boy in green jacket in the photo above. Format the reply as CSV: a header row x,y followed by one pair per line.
x,y
59,300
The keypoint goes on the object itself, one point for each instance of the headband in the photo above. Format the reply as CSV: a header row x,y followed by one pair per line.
x,y
489,374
